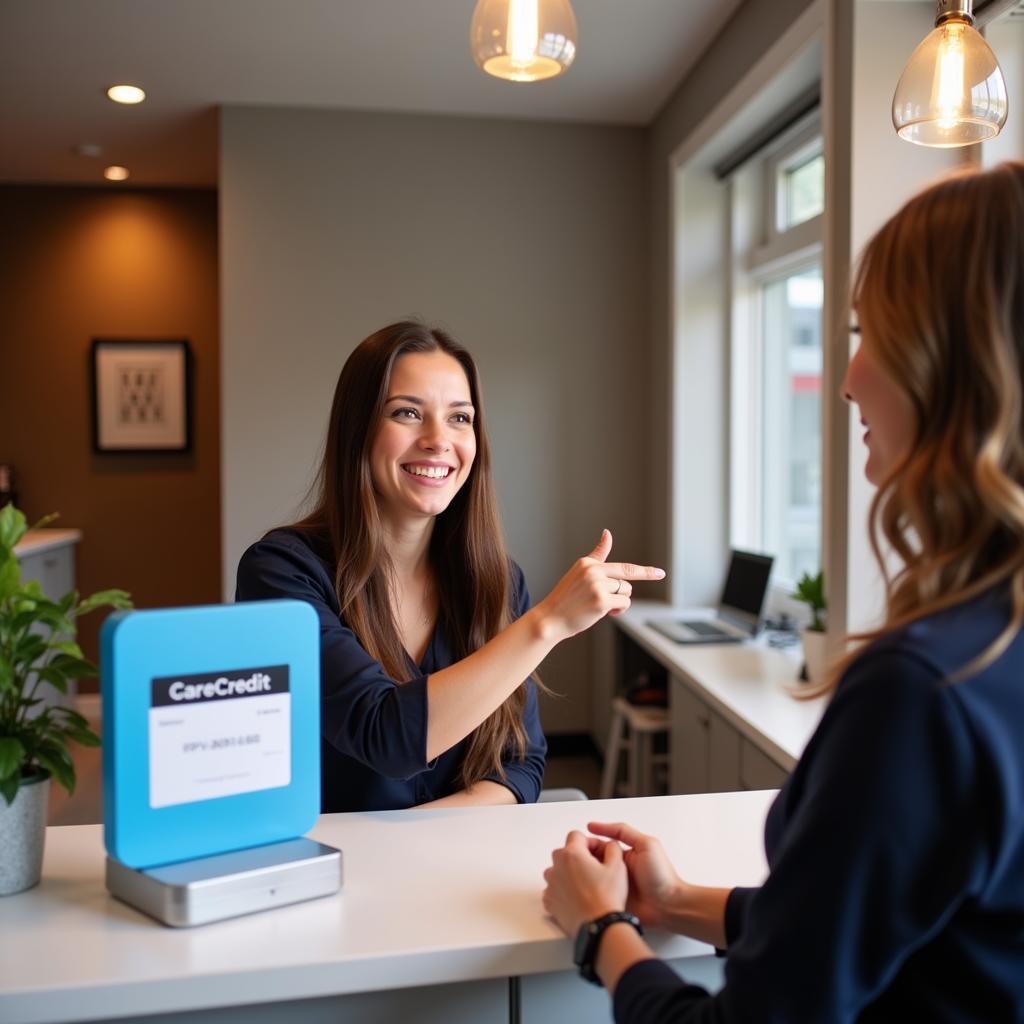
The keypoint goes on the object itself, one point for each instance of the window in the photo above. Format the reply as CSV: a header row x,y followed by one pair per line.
x,y
791,449
775,384
800,185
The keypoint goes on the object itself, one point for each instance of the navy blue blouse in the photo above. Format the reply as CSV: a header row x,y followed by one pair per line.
x,y
373,742
896,852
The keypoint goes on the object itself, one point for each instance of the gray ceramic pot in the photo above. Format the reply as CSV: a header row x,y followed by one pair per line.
x,y
22,830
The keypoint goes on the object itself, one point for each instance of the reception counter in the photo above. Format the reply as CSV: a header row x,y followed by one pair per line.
x,y
439,919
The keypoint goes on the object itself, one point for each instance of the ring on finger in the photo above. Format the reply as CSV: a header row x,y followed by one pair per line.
x,y
618,586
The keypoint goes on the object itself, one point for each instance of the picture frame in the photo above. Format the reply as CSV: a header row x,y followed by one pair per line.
x,y
141,396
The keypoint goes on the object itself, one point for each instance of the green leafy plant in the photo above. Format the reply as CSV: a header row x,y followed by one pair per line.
x,y
37,645
811,590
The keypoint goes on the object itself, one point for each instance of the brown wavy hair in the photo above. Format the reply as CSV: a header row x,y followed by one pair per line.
x,y
471,565
939,295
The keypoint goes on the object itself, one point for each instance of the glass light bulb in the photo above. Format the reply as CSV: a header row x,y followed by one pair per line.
x,y
116,173
523,40
952,91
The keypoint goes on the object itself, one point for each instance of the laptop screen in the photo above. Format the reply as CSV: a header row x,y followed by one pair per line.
x,y
745,587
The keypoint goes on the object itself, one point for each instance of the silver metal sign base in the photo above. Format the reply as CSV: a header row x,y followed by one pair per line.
x,y
208,889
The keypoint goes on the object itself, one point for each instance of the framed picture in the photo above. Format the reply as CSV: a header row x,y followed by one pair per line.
x,y
141,399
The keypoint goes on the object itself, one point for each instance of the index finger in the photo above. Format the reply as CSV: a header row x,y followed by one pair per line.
x,y
629,571
619,830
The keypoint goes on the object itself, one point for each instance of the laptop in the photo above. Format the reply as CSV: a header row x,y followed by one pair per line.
x,y
739,611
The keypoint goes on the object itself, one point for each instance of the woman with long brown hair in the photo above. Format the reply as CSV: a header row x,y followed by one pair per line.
x,y
428,640
896,847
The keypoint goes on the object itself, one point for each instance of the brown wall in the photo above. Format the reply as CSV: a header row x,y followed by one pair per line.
x,y
80,263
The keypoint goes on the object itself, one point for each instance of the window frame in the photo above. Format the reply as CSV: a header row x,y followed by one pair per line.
x,y
762,254
794,147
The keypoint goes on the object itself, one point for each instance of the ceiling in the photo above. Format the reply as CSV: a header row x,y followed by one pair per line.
x,y
193,56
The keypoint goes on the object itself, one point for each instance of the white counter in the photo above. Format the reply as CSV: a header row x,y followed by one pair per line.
x,y
429,897
750,684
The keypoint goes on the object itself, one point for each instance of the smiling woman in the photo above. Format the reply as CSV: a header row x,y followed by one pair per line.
x,y
428,639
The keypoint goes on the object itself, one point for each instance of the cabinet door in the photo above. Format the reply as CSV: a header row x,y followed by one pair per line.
x,y
688,740
723,756
757,769
53,569
31,567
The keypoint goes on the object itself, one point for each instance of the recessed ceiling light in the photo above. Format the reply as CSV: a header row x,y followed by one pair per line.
x,y
126,94
116,173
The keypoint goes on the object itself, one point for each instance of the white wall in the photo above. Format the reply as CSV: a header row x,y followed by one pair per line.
x,y
528,241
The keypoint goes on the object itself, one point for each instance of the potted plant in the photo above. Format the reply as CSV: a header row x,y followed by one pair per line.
x,y
811,590
37,646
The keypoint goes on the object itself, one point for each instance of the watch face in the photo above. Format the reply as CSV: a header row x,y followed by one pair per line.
x,y
582,941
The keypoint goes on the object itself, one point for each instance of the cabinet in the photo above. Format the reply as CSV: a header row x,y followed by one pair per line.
x,y
708,753
734,723
48,556
54,569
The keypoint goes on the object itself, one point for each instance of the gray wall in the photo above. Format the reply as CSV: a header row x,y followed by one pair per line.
x,y
528,241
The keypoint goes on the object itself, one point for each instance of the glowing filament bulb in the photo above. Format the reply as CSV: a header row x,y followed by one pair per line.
x,y
948,90
523,40
522,31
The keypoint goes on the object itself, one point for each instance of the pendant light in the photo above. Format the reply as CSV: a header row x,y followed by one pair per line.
x,y
951,92
523,40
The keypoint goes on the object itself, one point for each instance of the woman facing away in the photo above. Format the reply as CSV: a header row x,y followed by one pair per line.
x,y
427,636
896,848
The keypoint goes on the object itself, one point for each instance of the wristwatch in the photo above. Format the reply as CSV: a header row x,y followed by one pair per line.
x,y
588,938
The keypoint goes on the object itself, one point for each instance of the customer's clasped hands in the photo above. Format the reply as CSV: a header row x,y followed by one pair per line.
x,y
591,876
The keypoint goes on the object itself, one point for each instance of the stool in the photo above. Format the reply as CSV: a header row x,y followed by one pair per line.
x,y
633,729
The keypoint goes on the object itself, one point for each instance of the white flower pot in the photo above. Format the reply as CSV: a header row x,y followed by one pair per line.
x,y
815,656
22,830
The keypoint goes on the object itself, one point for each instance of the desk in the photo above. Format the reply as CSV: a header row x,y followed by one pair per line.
x,y
745,730
439,909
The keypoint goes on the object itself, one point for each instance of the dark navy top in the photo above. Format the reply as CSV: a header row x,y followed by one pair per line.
x,y
896,852
373,731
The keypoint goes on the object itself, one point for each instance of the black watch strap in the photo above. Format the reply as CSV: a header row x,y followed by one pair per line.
x,y
588,939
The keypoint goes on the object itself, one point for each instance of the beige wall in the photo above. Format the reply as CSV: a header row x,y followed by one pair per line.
x,y
528,241
81,263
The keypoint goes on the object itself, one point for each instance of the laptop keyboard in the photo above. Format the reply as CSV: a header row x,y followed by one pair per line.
x,y
704,628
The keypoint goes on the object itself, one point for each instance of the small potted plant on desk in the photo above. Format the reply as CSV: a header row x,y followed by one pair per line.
x,y
811,590
37,646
